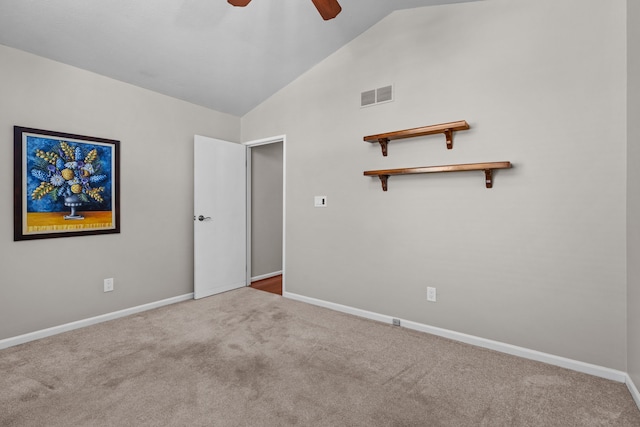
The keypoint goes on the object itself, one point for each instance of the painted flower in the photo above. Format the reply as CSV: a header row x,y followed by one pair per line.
x,y
67,174
57,180
41,175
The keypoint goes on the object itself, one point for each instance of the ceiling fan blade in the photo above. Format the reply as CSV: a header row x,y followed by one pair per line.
x,y
328,9
241,3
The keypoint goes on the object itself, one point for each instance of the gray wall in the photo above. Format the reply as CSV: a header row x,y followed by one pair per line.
x,y
266,209
633,191
538,261
45,283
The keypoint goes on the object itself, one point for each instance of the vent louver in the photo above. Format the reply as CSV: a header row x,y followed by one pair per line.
x,y
376,96
367,98
384,94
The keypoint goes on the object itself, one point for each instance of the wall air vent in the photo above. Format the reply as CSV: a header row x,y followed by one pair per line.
x,y
376,96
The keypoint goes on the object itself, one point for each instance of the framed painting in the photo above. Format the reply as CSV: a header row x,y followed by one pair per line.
x,y
64,185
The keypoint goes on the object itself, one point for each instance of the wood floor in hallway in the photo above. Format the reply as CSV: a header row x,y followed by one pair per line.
x,y
271,284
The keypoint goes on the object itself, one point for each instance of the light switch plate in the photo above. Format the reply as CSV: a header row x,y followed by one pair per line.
x,y
320,201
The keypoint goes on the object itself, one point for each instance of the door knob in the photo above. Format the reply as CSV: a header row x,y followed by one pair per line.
x,y
202,218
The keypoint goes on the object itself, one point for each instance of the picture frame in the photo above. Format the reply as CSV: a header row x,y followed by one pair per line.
x,y
64,184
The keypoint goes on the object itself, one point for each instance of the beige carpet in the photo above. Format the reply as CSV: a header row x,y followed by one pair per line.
x,y
250,358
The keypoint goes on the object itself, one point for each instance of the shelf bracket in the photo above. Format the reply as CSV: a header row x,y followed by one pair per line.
x,y
449,134
383,179
383,144
488,177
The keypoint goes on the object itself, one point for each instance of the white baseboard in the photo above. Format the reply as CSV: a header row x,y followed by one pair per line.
x,y
575,365
21,339
266,276
633,390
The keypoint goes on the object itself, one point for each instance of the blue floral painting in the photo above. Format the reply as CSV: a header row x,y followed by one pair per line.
x,y
65,184
58,170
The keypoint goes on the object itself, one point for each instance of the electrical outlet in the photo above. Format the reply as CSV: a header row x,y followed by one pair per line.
x,y
108,284
396,322
431,294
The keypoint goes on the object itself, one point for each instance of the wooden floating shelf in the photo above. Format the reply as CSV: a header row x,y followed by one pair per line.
x,y
446,128
488,169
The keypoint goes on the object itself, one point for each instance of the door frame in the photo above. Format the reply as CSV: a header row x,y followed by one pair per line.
x,y
250,145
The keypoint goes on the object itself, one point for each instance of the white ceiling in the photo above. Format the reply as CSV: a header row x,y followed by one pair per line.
x,y
203,51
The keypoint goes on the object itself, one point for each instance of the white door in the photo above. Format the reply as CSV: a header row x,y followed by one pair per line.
x,y
220,216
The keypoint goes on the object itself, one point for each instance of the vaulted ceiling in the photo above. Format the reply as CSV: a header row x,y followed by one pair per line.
x,y
203,51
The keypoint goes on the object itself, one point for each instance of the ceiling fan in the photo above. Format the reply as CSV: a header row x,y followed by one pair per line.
x,y
328,9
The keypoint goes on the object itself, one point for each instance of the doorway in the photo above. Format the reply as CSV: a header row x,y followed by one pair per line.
x,y
265,211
